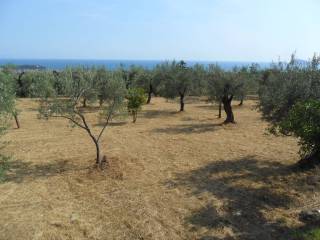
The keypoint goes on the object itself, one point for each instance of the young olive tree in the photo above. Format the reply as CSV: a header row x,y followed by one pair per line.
x,y
70,108
289,100
8,97
177,81
136,98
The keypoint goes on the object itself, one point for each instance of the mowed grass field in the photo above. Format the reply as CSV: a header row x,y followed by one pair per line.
x,y
171,176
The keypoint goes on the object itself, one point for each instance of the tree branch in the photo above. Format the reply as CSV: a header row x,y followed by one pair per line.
x,y
108,119
71,119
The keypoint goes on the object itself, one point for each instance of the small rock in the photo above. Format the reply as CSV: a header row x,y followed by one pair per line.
x,y
237,213
74,217
56,224
313,180
310,216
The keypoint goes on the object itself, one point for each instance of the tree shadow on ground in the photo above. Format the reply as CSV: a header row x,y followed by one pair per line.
x,y
111,124
158,113
248,189
20,171
189,128
213,107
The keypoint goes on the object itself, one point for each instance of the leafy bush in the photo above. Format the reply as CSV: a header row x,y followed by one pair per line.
x,y
136,98
287,84
310,235
7,109
289,100
303,122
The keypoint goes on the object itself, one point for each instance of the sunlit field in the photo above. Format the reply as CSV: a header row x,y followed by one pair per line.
x,y
170,176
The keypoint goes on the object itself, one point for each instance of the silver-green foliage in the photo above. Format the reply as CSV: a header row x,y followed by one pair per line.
x,y
7,109
79,86
287,84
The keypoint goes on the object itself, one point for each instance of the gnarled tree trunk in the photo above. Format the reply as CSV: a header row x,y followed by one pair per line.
x,y
226,100
220,109
181,102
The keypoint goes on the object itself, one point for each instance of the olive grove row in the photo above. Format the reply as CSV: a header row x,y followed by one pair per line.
x,y
289,94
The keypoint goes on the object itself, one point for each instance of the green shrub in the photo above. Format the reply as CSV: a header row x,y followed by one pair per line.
x,y
303,122
7,110
136,98
310,235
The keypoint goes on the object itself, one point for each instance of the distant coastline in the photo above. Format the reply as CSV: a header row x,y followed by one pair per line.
x,y
58,64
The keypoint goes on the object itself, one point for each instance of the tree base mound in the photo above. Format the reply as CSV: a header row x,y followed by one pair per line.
x,y
110,167
309,162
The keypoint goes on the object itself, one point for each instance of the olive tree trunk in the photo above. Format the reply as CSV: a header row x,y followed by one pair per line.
x,y
134,116
226,100
15,115
220,109
150,94
241,101
181,102
84,103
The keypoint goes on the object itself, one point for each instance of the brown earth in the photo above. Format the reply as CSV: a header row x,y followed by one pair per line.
x,y
172,176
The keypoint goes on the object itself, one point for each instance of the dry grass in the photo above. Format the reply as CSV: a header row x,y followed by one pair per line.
x,y
173,176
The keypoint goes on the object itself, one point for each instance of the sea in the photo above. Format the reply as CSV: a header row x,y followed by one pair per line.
x,y
59,64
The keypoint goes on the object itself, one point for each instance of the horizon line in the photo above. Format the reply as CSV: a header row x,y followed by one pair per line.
x,y
124,59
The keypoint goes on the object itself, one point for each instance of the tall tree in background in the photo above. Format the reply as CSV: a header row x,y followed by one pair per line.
x,y
177,80
144,79
216,79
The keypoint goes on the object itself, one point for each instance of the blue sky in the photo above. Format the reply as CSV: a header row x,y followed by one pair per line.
x,y
225,30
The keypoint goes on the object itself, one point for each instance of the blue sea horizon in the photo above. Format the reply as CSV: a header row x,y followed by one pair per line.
x,y
59,64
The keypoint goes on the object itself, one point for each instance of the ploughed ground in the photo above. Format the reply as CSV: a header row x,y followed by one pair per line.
x,y
170,176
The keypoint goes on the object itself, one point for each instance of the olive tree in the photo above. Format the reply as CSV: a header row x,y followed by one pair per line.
x,y
136,98
289,100
7,109
101,78
145,80
70,108
8,97
199,84
177,80
216,79
223,86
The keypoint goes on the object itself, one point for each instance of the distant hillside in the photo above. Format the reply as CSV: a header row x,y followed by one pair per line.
x,y
25,67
